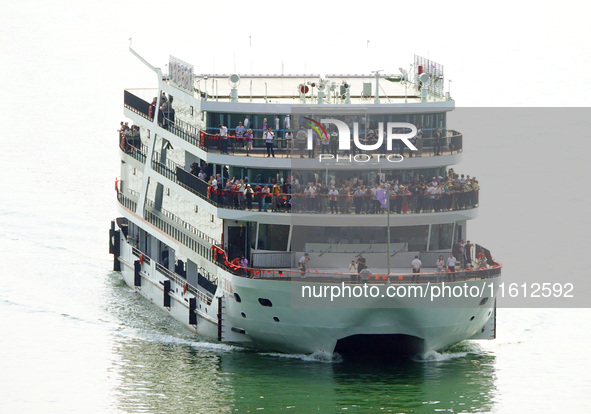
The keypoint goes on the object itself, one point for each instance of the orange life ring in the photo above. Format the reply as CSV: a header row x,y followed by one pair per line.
x,y
141,259
185,288
116,184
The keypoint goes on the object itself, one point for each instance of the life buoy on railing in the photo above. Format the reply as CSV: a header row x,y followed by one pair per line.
x,y
185,288
116,184
141,259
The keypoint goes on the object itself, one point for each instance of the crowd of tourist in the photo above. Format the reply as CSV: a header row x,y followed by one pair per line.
x,y
129,136
166,110
421,195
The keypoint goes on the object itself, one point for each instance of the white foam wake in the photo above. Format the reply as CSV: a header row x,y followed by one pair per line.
x,y
314,357
456,351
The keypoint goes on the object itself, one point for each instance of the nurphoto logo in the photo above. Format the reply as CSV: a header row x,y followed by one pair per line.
x,y
402,131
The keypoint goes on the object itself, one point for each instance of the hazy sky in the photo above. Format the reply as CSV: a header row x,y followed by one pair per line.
x,y
501,53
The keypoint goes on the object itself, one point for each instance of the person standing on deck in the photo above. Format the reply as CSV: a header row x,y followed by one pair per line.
x,y
361,263
416,268
248,142
223,139
269,135
440,263
302,262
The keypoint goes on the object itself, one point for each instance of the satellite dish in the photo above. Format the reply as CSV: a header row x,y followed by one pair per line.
x,y
423,77
234,80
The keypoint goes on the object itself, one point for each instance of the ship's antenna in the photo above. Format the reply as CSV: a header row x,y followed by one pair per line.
x,y
250,51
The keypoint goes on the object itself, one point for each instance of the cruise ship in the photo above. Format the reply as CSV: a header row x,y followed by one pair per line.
x,y
245,200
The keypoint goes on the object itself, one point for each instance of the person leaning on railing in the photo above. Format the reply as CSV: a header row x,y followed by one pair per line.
x,y
248,141
239,132
265,197
248,194
223,139
276,191
289,141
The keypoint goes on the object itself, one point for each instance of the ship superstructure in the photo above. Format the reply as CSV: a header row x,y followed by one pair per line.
x,y
236,191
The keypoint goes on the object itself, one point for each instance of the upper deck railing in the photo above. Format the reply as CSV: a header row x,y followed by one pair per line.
x,y
346,202
133,147
375,278
137,105
450,143
126,201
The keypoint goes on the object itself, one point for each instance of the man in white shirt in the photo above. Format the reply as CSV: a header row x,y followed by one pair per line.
x,y
302,262
437,192
240,130
223,139
310,194
430,200
269,142
333,194
451,264
416,268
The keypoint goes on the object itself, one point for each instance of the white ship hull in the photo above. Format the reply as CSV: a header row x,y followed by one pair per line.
x,y
416,328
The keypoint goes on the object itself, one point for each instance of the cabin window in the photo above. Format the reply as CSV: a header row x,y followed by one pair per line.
x,y
441,236
273,237
405,238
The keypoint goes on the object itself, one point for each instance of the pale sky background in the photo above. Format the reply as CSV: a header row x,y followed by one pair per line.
x,y
502,53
